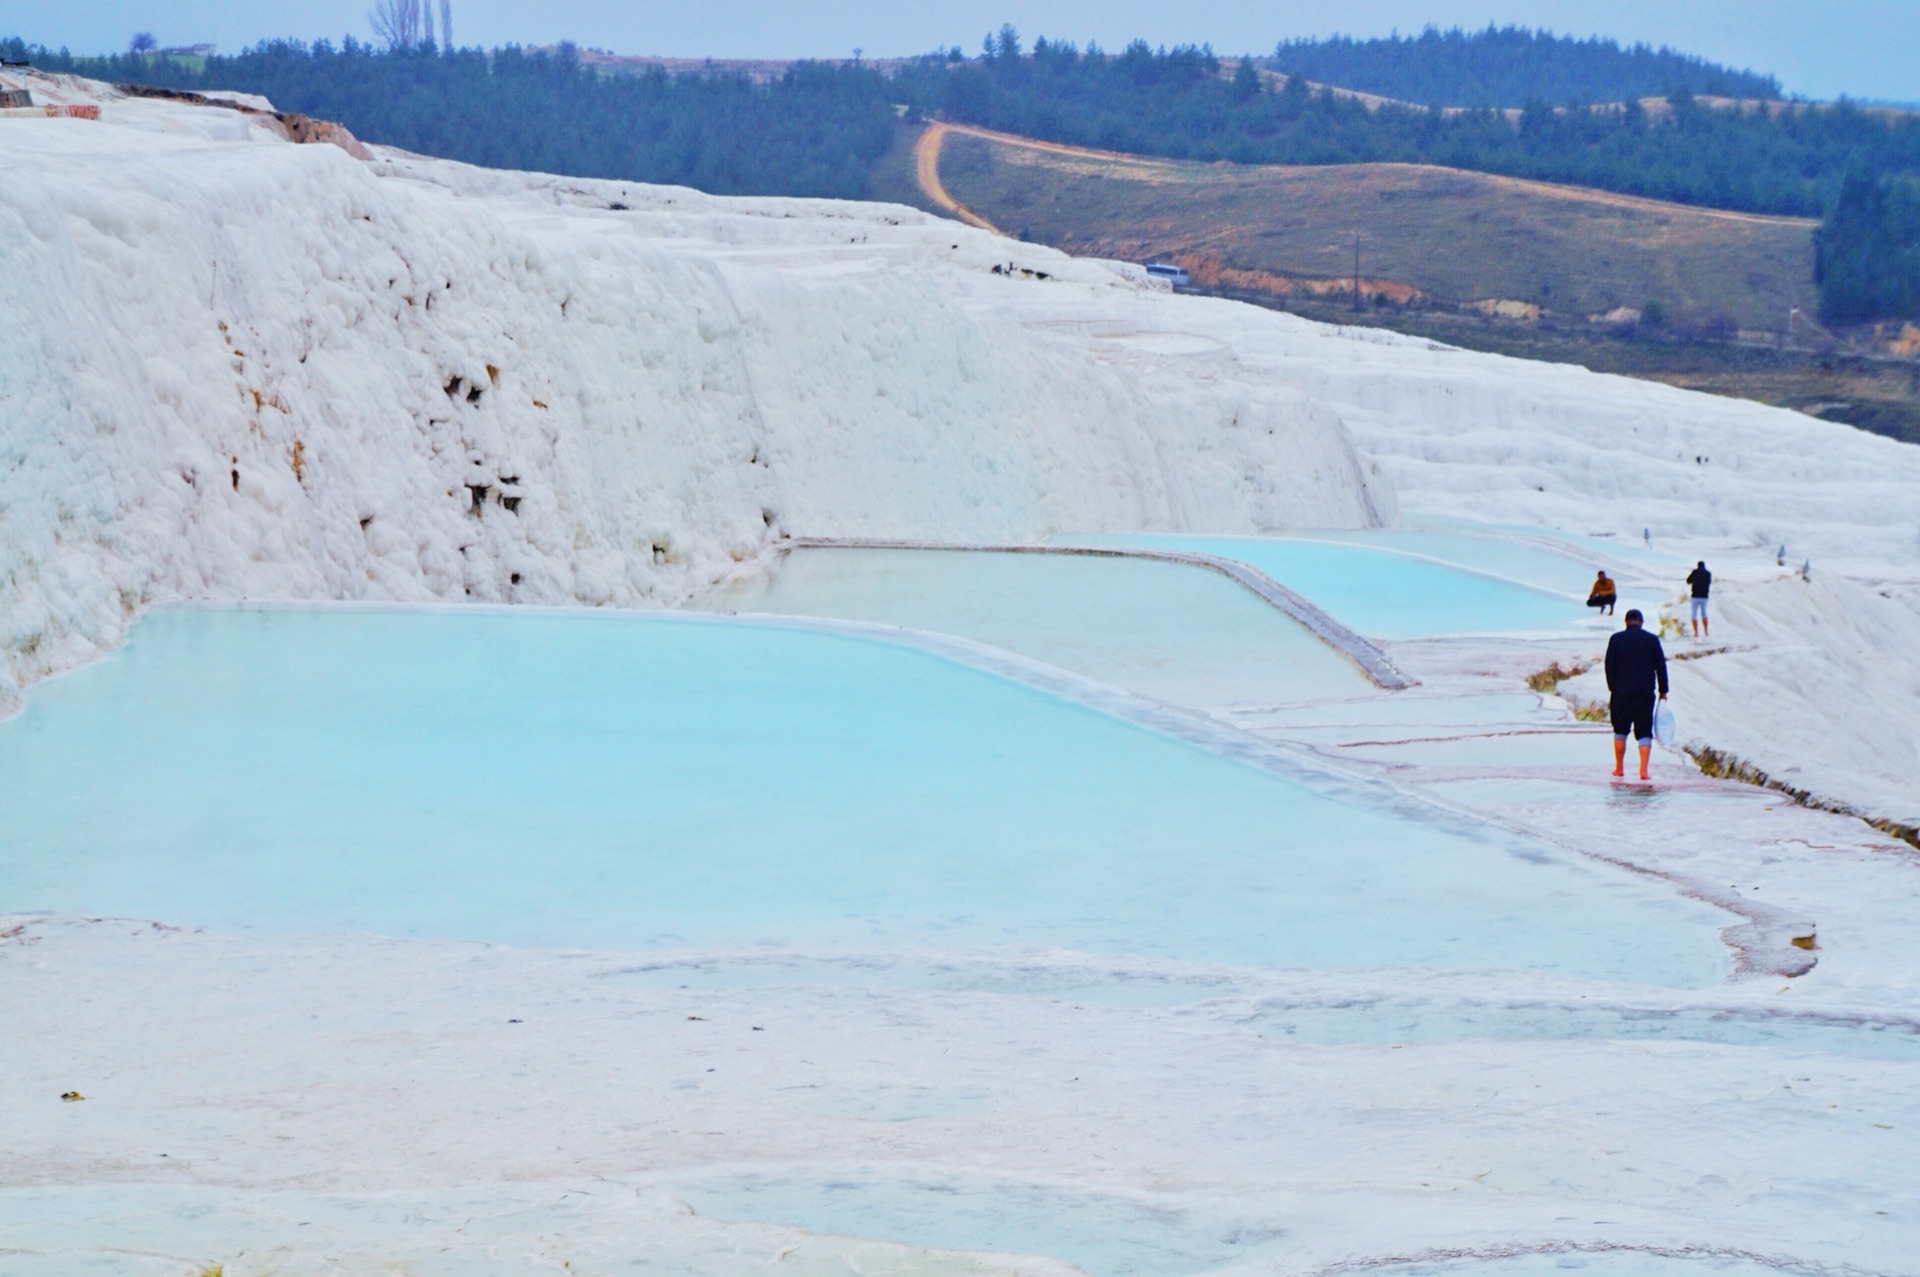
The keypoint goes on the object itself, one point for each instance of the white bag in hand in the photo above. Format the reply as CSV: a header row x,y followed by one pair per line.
x,y
1663,723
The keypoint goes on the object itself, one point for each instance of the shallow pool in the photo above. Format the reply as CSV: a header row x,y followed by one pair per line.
x,y
1388,590
1556,568
624,781
1103,1234
1110,1234
1415,1020
1178,633
1567,1262
130,1229
1625,545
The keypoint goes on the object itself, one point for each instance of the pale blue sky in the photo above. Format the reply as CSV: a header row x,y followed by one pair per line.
x,y
1869,48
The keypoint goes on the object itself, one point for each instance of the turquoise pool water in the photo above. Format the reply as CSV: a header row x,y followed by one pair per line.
x,y
1359,1020
1167,630
1562,572
625,781
1105,1234
1401,587
1623,544
1572,1263
125,1229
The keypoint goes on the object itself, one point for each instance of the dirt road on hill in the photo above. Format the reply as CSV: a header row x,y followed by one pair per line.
x,y
927,168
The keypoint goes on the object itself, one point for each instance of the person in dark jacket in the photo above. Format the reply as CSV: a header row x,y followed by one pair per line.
x,y
1700,581
1636,670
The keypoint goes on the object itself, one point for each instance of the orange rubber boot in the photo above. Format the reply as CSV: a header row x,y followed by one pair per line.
x,y
1619,758
1645,751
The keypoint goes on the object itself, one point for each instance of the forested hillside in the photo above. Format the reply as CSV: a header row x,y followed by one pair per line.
x,y
814,131
1867,254
1510,66
1177,104
819,128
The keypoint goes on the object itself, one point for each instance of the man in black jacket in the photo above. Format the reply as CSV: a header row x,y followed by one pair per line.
x,y
1636,668
1700,581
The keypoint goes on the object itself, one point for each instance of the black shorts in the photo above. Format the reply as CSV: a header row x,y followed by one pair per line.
x,y
1602,600
1633,715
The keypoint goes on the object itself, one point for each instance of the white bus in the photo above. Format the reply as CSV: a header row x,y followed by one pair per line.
x,y
1176,276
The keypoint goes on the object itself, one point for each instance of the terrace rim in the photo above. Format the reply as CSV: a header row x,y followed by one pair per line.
x,y
1372,662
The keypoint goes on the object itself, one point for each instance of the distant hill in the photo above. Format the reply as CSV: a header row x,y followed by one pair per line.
x,y
1186,104
1431,238
1509,67
820,129
1689,296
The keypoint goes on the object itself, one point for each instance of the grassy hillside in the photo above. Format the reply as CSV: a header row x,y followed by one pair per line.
x,y
1429,237
1689,296
1186,104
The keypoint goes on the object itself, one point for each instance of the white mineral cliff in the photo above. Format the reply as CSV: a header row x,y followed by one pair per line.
x,y
240,367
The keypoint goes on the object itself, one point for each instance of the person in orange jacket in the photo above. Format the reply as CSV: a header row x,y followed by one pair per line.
x,y
1603,595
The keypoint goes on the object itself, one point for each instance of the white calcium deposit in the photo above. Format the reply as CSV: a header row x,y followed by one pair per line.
x,y
238,367
242,368
235,367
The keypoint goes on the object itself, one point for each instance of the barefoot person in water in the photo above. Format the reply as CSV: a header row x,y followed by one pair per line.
x,y
1636,669
1700,582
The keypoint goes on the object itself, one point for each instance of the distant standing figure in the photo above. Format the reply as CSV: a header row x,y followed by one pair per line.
x,y
1636,670
1700,581
1603,595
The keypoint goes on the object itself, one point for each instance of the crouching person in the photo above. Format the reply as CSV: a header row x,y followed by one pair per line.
x,y
1602,595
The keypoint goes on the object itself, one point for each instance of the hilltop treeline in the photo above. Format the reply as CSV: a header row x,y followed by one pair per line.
x,y
1510,66
1181,103
816,130
819,128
